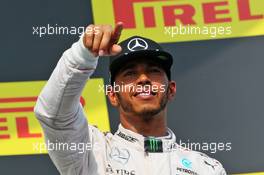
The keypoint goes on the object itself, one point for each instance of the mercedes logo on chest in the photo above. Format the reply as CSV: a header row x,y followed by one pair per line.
x,y
137,44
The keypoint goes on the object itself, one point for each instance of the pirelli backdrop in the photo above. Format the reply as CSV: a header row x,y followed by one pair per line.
x,y
218,54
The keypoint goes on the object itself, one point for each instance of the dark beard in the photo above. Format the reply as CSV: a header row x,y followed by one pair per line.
x,y
146,114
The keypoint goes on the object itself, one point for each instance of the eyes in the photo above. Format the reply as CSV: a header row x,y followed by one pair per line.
x,y
155,70
150,71
129,73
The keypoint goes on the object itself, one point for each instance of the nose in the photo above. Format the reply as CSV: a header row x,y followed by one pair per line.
x,y
143,79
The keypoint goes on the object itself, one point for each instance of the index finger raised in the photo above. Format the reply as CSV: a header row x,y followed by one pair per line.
x,y
117,33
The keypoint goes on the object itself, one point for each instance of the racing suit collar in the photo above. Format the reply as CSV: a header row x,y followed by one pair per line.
x,y
147,144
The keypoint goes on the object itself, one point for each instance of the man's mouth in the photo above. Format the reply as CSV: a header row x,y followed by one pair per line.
x,y
145,94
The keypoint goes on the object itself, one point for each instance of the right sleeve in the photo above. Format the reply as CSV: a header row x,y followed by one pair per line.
x,y
60,114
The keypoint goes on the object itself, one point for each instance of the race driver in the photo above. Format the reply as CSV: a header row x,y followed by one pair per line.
x,y
143,145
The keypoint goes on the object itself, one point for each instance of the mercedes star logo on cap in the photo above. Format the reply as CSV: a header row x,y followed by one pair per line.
x,y
137,44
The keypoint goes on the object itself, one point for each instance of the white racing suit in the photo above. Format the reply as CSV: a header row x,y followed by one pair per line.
x,y
124,153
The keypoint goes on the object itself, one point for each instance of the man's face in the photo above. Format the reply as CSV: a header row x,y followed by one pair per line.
x,y
145,88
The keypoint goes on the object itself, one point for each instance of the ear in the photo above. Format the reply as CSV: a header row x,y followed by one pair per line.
x,y
112,96
171,90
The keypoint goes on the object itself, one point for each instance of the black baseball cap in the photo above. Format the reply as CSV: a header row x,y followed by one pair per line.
x,y
140,47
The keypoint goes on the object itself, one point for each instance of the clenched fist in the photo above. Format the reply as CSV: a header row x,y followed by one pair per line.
x,y
101,40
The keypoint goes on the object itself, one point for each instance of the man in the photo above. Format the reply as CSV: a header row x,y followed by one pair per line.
x,y
143,145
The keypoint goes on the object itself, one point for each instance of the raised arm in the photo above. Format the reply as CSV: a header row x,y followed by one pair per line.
x,y
58,109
